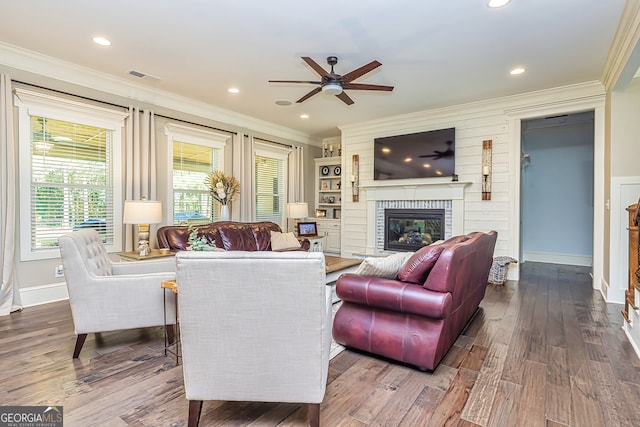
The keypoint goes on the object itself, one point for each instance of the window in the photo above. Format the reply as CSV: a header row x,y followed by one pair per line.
x,y
194,153
67,172
271,185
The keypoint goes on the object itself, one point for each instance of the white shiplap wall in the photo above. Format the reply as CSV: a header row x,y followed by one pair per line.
x,y
494,120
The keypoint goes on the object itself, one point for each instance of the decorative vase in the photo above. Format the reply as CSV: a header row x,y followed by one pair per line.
x,y
225,215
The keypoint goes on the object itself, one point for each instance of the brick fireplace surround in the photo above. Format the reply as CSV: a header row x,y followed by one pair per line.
x,y
441,195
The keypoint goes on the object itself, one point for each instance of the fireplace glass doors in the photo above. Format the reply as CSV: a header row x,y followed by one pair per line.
x,y
411,229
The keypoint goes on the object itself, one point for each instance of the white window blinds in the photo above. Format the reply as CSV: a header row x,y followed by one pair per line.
x,y
191,199
71,180
270,182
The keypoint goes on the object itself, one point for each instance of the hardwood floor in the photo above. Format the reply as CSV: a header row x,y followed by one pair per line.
x,y
546,351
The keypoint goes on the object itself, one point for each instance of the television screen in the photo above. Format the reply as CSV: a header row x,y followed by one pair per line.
x,y
417,155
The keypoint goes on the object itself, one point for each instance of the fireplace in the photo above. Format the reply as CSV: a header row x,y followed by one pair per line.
x,y
411,229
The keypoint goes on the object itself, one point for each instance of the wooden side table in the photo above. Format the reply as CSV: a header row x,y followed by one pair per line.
x,y
135,256
170,285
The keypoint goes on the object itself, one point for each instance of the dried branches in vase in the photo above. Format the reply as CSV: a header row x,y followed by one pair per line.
x,y
222,188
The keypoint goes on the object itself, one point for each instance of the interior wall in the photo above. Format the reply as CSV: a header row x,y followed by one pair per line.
x,y
625,130
557,191
625,180
473,125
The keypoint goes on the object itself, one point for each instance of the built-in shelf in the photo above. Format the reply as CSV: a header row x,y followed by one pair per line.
x,y
328,201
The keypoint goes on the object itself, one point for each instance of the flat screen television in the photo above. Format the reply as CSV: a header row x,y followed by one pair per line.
x,y
416,155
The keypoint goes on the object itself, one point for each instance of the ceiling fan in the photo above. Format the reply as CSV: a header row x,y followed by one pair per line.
x,y
335,84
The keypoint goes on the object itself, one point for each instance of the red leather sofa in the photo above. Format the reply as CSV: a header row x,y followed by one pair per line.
x,y
229,235
416,318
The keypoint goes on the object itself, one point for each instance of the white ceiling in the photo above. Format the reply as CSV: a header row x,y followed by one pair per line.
x,y
434,53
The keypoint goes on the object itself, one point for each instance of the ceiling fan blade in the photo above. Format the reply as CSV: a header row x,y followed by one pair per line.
x,y
360,71
313,64
360,86
345,98
295,81
309,95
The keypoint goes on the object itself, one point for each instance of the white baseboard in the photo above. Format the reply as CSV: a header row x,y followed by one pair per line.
x,y
36,295
553,258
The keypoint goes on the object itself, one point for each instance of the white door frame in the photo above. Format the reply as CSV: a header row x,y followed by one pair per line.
x,y
595,103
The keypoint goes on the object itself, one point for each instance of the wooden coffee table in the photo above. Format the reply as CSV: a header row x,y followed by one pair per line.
x,y
337,266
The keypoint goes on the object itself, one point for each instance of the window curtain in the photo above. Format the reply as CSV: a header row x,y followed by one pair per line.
x,y
244,170
296,175
140,167
9,291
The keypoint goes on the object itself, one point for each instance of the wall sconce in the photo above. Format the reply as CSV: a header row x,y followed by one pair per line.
x,y
486,169
355,178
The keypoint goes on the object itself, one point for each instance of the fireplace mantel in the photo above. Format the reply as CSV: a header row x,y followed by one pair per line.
x,y
424,191
394,191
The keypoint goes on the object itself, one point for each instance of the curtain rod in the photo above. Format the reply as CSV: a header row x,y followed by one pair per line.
x,y
272,142
119,106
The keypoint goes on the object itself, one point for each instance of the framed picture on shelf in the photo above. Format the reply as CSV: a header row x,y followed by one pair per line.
x,y
307,229
336,214
325,185
321,213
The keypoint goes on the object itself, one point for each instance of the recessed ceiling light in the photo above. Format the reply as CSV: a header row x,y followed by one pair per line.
x,y
283,102
101,41
408,159
497,3
304,116
517,71
234,90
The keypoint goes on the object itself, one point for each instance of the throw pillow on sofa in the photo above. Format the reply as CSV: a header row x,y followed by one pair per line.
x,y
385,267
283,241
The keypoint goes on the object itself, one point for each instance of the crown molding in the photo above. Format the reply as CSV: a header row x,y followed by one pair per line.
x,y
592,93
624,55
46,66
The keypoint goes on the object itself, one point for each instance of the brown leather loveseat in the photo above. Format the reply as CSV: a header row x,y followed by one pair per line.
x,y
417,317
229,235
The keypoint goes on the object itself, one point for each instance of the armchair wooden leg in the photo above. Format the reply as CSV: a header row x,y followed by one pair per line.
x,y
195,408
171,335
79,343
314,414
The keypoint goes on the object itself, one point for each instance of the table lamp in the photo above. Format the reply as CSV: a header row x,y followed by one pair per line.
x,y
142,212
297,211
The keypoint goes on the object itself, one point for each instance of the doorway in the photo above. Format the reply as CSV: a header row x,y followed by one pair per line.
x,y
557,189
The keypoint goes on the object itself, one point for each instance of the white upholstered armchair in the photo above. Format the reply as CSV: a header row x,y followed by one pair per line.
x,y
254,326
106,296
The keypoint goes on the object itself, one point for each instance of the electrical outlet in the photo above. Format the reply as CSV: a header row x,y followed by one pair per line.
x,y
59,271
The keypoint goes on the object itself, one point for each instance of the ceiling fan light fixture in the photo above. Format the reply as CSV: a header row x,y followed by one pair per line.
x,y
332,88
497,3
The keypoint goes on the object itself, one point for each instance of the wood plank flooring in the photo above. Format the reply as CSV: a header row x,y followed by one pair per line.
x,y
546,351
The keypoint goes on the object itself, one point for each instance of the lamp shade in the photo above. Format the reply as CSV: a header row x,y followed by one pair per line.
x,y
142,212
297,210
